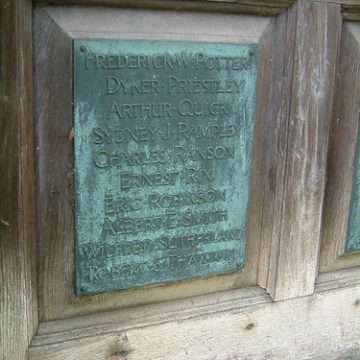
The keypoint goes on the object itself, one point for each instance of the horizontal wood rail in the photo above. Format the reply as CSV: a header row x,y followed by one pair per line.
x,y
228,324
253,7
350,8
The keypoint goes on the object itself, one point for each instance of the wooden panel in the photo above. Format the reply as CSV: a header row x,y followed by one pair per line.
x,y
18,308
276,129
228,327
343,137
54,162
254,7
109,23
55,157
350,8
298,122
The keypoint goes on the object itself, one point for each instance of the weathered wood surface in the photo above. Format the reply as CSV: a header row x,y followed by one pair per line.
x,y
54,162
18,316
350,8
226,325
337,279
55,158
276,129
254,7
113,23
342,143
298,121
146,315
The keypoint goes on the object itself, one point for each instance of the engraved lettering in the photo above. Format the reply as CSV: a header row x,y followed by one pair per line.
x,y
176,85
156,200
102,252
105,159
170,220
121,204
181,131
162,158
131,180
183,154
198,176
190,108
167,61
171,263
115,85
138,110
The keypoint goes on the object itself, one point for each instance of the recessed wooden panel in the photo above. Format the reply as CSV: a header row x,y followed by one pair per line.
x,y
18,290
53,67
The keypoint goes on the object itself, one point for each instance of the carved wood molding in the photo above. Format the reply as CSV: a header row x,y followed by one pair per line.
x,y
152,332
350,8
253,7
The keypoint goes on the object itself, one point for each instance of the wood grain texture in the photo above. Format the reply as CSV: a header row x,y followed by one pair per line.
x,y
351,10
342,144
54,162
18,308
298,122
254,7
276,123
321,326
149,315
102,22
55,154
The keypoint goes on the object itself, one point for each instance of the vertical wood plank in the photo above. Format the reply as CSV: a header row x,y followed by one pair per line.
x,y
18,314
263,101
342,144
276,125
299,121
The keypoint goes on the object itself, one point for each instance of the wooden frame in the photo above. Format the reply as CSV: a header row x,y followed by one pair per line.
x,y
18,295
53,112
343,138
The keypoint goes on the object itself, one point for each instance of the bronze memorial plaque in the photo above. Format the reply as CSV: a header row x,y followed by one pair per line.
x,y
163,150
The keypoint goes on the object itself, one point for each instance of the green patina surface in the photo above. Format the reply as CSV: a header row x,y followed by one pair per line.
x,y
163,148
353,231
